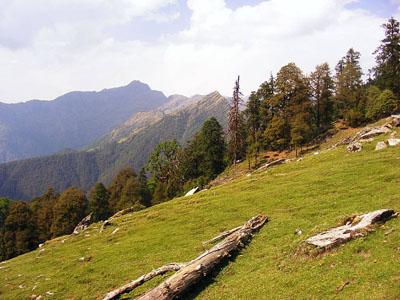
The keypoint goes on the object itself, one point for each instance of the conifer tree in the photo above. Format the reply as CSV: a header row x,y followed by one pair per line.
x,y
265,93
19,230
236,143
68,211
387,71
121,189
98,202
291,100
144,190
321,91
253,125
349,97
165,165
4,207
42,209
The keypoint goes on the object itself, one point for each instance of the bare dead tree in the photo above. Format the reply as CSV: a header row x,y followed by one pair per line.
x,y
235,139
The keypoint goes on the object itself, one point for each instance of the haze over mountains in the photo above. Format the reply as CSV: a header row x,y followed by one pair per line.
x,y
73,120
127,144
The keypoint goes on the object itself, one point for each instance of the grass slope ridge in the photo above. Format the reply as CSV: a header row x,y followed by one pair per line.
x,y
313,194
135,141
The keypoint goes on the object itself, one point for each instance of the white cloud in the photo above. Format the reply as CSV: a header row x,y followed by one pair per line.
x,y
65,47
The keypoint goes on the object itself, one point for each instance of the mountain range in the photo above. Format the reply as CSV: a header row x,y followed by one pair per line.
x,y
127,144
74,120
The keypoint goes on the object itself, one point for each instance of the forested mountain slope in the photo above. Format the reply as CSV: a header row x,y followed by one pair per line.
x,y
310,195
73,120
127,145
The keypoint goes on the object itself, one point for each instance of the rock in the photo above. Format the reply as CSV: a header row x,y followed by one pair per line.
x,y
356,226
380,146
36,297
83,258
354,147
298,231
86,221
316,153
393,142
49,293
192,191
395,120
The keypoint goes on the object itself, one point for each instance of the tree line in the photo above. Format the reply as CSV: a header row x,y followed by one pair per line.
x,y
291,109
288,111
172,168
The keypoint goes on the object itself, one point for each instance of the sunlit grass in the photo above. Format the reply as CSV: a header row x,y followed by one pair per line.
x,y
313,194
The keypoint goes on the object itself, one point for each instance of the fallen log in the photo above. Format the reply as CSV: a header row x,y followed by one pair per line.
x,y
188,274
142,279
355,227
272,163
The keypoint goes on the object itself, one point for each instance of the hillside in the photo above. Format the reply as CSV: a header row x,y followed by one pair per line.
x,y
313,194
74,120
127,145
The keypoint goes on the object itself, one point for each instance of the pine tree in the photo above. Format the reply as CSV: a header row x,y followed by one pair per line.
x,y
19,230
236,143
321,91
144,190
212,149
42,208
119,189
387,71
4,207
253,125
68,211
349,97
98,202
265,93
291,99
164,165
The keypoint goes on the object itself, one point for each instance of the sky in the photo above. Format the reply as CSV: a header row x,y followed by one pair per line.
x,y
50,47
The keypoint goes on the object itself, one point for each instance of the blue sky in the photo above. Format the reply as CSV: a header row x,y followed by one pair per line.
x,y
51,47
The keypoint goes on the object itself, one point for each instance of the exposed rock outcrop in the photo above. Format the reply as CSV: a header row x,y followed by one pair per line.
x,y
380,146
354,147
354,227
86,221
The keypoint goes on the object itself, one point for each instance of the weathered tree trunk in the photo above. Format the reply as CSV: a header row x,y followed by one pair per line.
x,y
355,226
142,279
192,272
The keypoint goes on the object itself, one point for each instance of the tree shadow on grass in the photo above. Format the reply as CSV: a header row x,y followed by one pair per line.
x,y
201,285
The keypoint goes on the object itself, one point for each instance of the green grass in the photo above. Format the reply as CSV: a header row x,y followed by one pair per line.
x,y
313,194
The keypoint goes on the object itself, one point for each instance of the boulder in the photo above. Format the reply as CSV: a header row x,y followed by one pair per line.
x,y
86,221
354,227
354,147
395,120
394,142
380,146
